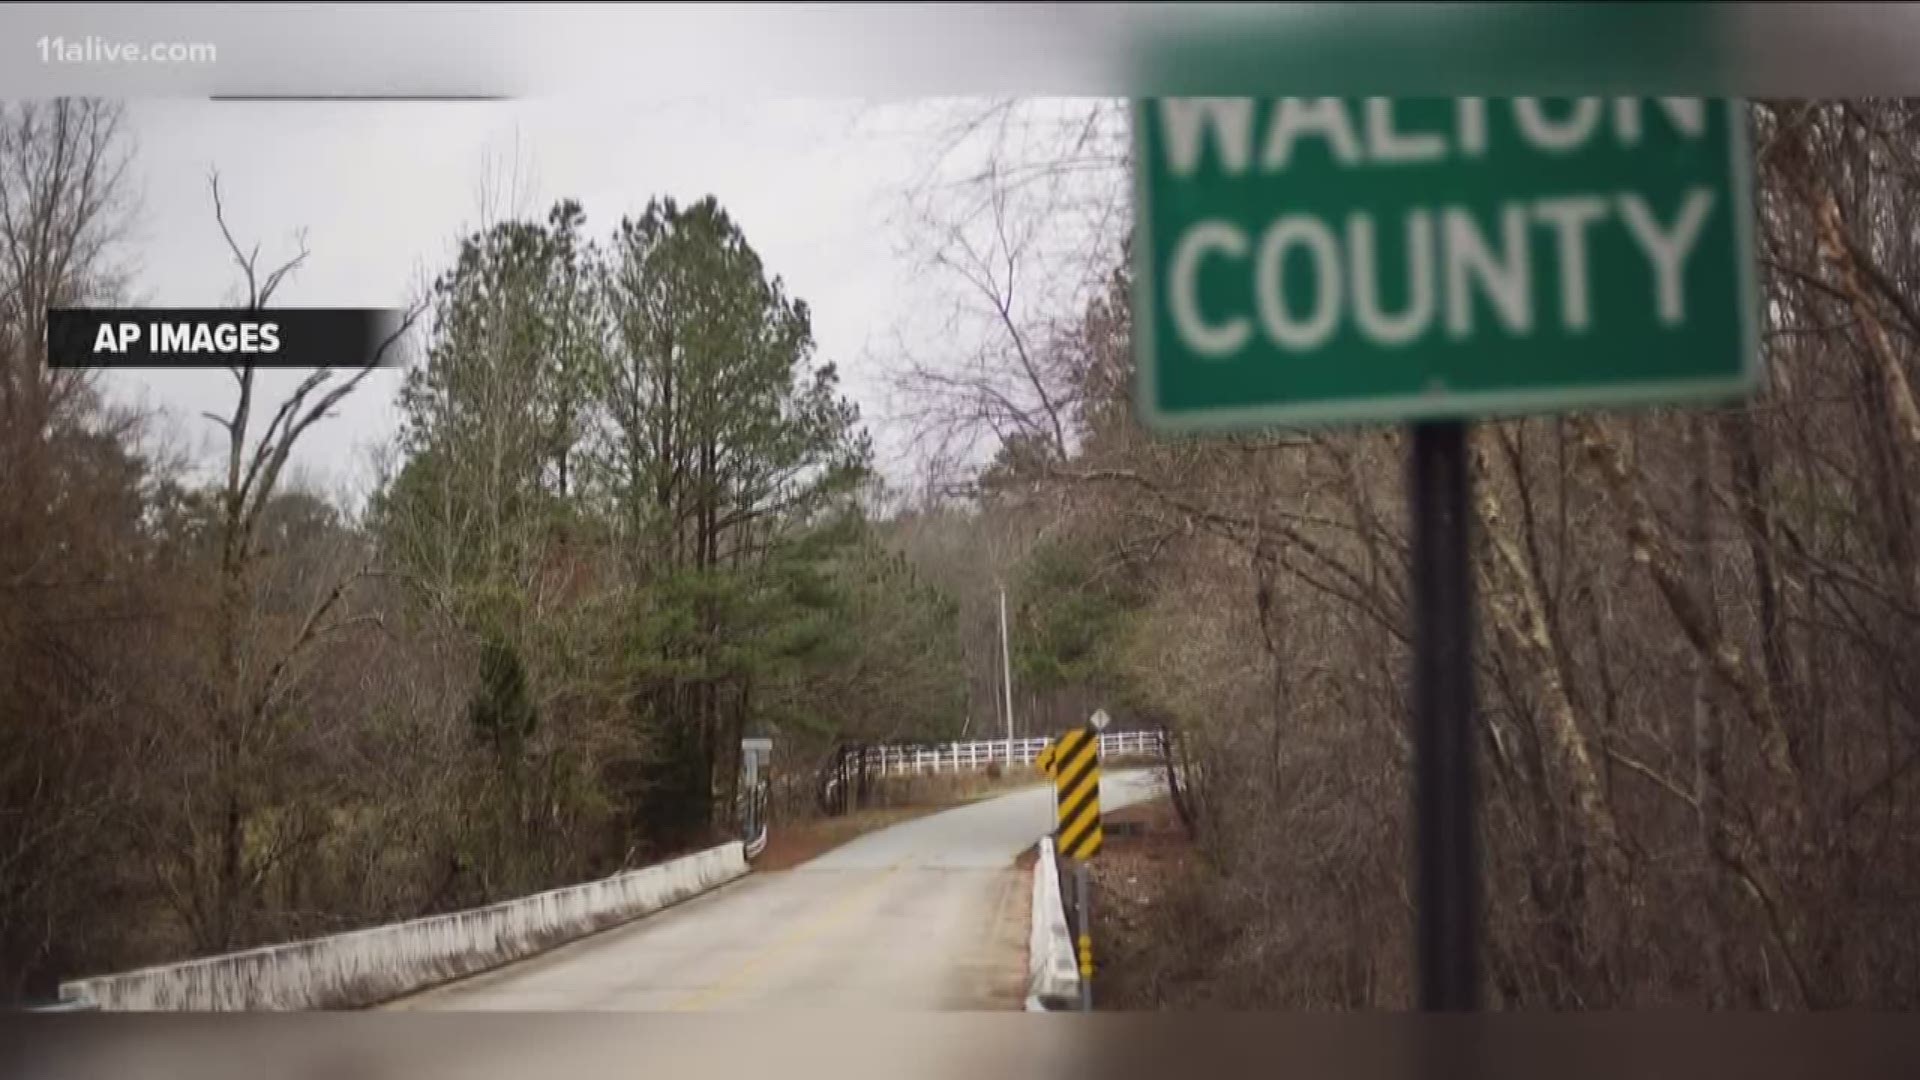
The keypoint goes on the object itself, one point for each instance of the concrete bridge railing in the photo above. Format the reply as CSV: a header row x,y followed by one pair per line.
x,y
365,967
1053,973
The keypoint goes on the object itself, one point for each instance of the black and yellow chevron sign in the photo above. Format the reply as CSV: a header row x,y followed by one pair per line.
x,y
1044,759
1076,778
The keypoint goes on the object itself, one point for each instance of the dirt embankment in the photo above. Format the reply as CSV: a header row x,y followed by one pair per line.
x,y
898,799
1143,898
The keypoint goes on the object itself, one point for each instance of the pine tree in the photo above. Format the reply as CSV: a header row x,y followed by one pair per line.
x,y
501,711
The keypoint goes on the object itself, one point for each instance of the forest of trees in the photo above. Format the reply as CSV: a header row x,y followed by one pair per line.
x,y
632,518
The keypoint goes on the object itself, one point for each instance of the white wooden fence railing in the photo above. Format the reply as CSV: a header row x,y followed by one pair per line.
x,y
978,754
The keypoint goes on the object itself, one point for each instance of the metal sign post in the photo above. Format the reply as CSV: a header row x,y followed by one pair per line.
x,y
1446,878
1083,903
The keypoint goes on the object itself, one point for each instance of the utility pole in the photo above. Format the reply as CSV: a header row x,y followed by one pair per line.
x,y
1006,671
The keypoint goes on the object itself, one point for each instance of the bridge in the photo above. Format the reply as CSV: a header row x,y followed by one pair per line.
x,y
929,914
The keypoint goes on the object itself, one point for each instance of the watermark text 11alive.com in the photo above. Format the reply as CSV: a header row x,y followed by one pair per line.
x,y
95,50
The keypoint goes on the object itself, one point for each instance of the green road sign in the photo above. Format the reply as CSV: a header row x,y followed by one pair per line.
x,y
1303,260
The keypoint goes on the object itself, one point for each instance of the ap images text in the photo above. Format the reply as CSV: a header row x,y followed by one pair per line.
x,y
188,338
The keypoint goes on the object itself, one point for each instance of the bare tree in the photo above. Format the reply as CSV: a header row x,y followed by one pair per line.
x,y
1013,223
261,652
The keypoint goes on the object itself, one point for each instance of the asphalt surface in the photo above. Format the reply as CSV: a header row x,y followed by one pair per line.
x,y
929,914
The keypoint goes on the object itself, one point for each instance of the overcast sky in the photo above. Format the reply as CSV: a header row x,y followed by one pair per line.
x,y
384,190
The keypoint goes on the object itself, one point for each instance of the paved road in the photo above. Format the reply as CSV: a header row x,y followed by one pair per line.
x,y
926,915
